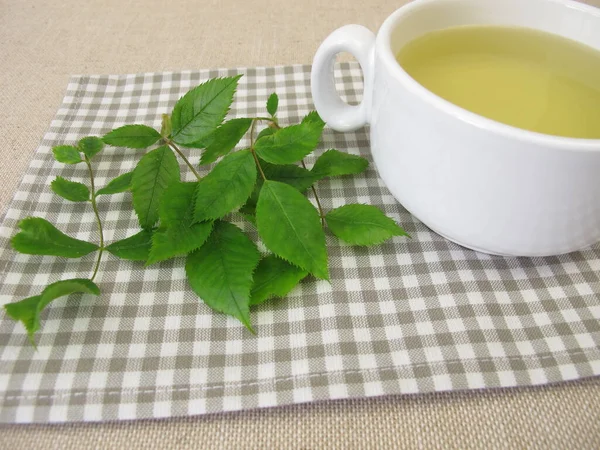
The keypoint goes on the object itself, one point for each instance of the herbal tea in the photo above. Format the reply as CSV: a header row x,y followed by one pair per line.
x,y
518,76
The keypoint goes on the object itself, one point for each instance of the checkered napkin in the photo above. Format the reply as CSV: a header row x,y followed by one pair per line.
x,y
409,316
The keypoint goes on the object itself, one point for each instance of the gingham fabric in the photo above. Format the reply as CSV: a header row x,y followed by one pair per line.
x,y
409,316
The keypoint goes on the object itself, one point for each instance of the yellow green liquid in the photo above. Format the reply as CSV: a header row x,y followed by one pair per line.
x,y
529,79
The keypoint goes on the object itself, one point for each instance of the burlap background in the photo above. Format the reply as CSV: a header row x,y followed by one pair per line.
x,y
43,42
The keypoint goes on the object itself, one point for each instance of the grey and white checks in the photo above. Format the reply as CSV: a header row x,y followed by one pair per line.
x,y
409,316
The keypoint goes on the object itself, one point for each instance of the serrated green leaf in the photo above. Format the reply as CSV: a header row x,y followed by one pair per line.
x,y
265,132
220,272
177,235
313,117
272,104
133,248
289,226
28,310
67,154
274,277
200,111
295,176
178,204
132,136
40,237
290,144
334,163
226,187
117,185
153,174
224,139
70,190
362,224
178,240
25,311
166,128
90,146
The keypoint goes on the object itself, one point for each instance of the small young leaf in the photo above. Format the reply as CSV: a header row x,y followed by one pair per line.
x,y
295,176
272,104
67,154
40,237
133,248
313,117
362,224
200,111
274,277
224,139
226,188
289,226
334,163
70,190
153,174
132,136
90,146
166,128
290,144
28,310
178,240
220,272
117,185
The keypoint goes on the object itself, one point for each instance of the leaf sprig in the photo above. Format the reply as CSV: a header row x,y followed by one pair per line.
x,y
265,182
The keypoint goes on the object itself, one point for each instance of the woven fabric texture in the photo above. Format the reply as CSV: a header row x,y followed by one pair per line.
x,y
408,316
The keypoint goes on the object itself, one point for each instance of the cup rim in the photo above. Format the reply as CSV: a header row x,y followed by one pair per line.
x,y
384,38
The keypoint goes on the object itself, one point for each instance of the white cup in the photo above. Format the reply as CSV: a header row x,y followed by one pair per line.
x,y
482,184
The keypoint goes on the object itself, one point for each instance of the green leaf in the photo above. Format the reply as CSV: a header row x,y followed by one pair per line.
x,y
295,176
132,136
66,287
153,174
334,163
289,226
178,204
166,128
266,132
67,154
90,146
226,187
274,277
28,310
290,144
313,117
177,235
120,184
362,224
40,237
133,248
272,104
200,111
224,139
220,272
70,190
25,311
178,240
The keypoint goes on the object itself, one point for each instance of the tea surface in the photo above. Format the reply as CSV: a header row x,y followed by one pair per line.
x,y
526,78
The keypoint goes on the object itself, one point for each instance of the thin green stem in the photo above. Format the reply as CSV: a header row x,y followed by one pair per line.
x,y
180,153
252,128
321,213
97,214
272,120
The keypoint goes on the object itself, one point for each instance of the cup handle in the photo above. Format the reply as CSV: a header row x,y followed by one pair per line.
x,y
360,42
